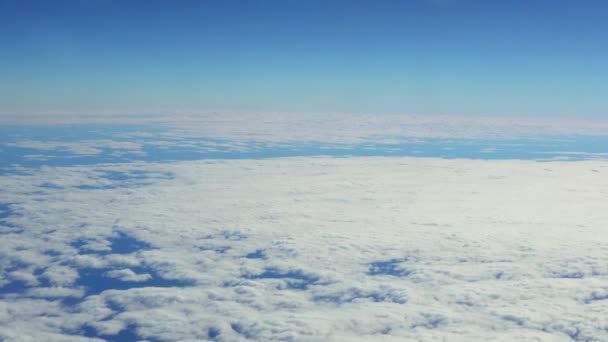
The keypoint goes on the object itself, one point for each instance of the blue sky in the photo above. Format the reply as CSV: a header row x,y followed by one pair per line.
x,y
496,58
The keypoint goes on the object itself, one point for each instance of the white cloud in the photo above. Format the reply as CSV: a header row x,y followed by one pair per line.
x,y
128,275
79,148
370,128
284,127
310,249
60,275
55,292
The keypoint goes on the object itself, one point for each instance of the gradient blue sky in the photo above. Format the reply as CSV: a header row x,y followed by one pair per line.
x,y
465,57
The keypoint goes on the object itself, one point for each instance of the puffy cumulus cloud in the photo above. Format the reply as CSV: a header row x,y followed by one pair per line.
x,y
307,249
128,275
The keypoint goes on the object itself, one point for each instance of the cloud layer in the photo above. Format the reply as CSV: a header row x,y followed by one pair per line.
x,y
344,128
306,249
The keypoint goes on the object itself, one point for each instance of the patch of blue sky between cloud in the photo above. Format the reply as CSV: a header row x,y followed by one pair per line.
x,y
349,249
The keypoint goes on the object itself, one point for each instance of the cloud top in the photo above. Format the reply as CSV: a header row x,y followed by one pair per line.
x,y
307,248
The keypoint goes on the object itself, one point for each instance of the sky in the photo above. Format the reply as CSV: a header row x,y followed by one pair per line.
x,y
441,57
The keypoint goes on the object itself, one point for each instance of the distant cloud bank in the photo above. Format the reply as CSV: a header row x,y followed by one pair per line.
x,y
331,127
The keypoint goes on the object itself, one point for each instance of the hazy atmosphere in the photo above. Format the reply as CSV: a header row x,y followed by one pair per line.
x,y
303,171
466,57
